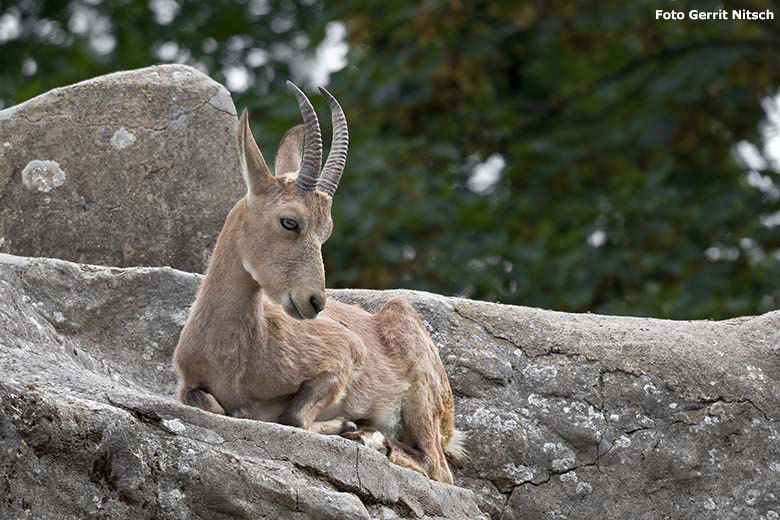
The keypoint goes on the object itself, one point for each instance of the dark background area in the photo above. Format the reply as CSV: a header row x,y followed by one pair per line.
x,y
579,156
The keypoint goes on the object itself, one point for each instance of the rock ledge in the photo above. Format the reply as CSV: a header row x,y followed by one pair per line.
x,y
569,416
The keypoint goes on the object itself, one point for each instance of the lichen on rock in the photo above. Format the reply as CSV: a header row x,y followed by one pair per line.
x,y
122,138
42,176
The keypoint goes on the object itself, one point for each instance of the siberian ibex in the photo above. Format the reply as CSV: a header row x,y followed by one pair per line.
x,y
261,342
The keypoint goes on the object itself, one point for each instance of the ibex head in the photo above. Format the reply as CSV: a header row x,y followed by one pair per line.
x,y
287,219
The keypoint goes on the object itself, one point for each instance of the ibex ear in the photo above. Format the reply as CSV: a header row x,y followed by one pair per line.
x,y
288,158
255,171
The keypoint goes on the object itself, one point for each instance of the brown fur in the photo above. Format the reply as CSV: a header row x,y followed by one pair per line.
x,y
247,351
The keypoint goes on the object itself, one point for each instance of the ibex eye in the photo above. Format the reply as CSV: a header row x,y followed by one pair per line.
x,y
289,224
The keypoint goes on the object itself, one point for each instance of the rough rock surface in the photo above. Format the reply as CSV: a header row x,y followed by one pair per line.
x,y
569,416
89,427
93,172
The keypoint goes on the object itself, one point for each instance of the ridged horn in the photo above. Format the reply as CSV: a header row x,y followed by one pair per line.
x,y
311,160
337,157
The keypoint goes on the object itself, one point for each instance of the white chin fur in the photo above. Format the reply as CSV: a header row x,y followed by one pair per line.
x,y
248,269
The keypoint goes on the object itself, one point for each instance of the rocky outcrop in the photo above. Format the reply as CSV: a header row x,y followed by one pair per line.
x,y
569,416
133,168
89,427
598,417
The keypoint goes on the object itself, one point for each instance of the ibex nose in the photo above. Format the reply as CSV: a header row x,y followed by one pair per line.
x,y
317,303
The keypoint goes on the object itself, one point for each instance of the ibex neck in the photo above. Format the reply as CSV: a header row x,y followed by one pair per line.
x,y
228,293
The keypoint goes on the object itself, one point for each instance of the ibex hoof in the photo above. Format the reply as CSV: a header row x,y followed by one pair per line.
x,y
348,426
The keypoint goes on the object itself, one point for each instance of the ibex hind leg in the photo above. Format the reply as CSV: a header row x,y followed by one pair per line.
x,y
203,400
427,413
421,428
397,452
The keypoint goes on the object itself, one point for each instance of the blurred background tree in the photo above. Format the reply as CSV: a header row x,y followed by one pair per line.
x,y
580,156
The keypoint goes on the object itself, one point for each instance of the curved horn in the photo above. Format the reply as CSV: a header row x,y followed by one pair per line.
x,y
337,157
312,142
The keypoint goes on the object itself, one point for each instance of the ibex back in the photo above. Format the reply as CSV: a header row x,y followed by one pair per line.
x,y
263,342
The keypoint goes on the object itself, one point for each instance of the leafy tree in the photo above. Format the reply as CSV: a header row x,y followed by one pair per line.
x,y
572,155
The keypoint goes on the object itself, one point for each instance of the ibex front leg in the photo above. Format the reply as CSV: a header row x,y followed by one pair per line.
x,y
312,398
199,398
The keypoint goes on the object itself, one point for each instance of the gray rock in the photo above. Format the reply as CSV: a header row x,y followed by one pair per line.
x,y
569,416
89,427
598,417
133,168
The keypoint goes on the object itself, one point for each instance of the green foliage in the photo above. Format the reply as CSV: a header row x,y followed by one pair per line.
x,y
617,131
